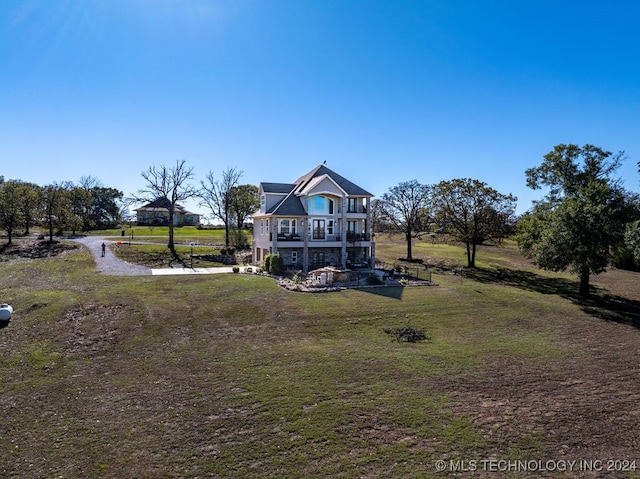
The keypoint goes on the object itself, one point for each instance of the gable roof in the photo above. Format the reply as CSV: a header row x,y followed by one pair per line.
x,y
291,204
350,188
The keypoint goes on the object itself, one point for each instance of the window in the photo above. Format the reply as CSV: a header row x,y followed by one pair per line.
x,y
351,205
351,226
319,205
263,202
284,227
294,257
261,227
293,227
330,227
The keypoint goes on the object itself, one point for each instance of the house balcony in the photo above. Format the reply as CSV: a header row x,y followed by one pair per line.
x,y
357,237
324,240
285,237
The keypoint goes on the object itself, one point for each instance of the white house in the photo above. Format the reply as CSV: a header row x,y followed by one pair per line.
x,y
322,219
157,213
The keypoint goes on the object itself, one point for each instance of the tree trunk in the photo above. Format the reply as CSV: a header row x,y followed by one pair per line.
x,y
473,256
470,259
408,238
171,245
584,283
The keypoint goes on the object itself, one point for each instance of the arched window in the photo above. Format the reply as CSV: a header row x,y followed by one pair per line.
x,y
320,205
284,227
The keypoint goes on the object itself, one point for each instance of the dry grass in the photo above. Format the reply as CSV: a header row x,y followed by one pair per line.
x,y
231,376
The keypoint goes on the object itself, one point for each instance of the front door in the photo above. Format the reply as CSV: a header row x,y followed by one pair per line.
x,y
318,229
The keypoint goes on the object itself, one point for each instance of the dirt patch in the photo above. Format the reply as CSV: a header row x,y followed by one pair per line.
x,y
33,249
586,407
92,328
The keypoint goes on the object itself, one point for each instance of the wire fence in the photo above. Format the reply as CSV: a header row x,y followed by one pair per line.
x,y
417,272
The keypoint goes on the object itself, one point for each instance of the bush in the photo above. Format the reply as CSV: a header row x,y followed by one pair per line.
x,y
276,264
249,269
623,258
236,269
373,279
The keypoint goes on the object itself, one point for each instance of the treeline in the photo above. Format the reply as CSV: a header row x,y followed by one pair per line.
x,y
57,207
586,221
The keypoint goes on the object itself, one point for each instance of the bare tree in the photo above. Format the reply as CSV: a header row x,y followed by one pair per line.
x,y
218,197
170,184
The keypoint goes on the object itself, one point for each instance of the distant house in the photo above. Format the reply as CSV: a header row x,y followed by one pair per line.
x,y
156,213
322,219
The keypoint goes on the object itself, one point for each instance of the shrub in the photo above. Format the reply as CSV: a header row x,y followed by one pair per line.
x,y
276,264
236,269
249,269
373,279
623,258
297,278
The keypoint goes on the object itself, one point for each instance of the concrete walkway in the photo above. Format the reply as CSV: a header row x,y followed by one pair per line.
x,y
168,271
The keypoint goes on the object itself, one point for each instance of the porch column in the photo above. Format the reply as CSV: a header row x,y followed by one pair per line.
x,y
305,247
274,235
343,234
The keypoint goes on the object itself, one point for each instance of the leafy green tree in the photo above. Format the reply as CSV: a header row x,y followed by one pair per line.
x,y
10,211
581,220
30,204
79,204
244,202
104,211
473,212
55,208
103,208
632,239
407,206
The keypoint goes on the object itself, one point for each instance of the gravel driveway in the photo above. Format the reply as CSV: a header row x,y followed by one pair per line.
x,y
110,264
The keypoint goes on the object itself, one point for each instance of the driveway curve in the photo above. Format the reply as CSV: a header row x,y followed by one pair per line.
x,y
110,263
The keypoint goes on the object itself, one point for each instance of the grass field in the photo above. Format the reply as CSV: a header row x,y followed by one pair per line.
x,y
230,376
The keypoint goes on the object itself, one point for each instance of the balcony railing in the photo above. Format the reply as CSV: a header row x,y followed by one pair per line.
x,y
355,237
357,209
319,236
291,237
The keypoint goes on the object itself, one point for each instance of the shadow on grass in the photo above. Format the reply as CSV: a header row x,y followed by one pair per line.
x,y
393,292
600,304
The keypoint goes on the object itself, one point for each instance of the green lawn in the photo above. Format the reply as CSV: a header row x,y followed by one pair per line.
x,y
230,376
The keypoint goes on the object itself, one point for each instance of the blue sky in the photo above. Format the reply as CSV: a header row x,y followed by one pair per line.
x,y
384,91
